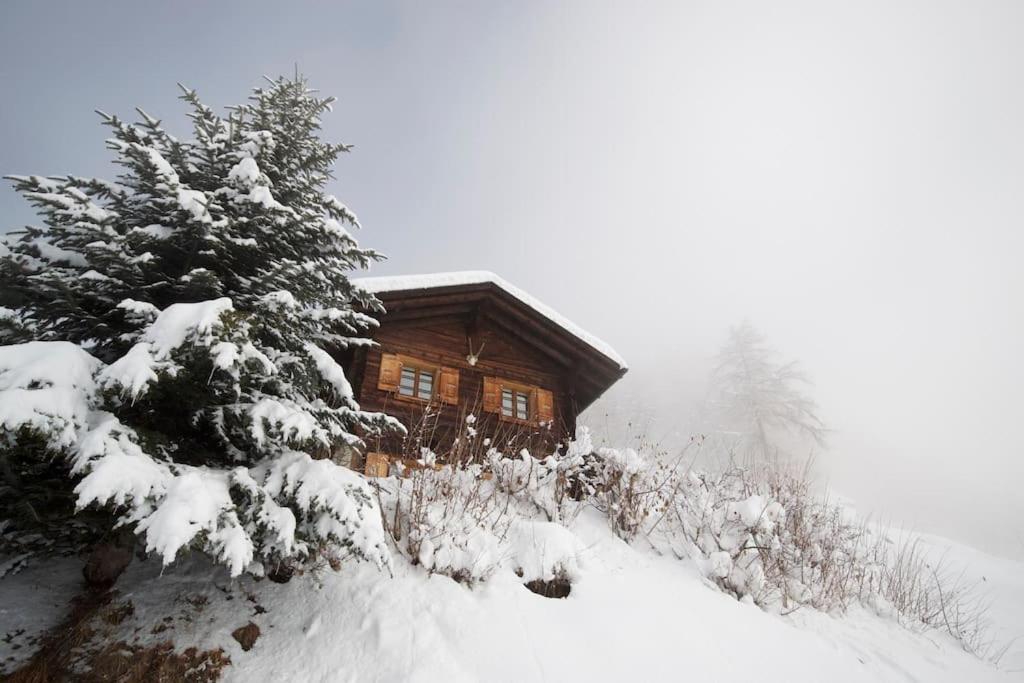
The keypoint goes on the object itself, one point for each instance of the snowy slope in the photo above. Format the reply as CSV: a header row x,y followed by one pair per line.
x,y
631,616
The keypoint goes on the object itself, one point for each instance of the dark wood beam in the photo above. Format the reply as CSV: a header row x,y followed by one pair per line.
x,y
527,337
457,310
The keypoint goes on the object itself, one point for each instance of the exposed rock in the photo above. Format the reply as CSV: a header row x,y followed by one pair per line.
x,y
246,635
558,587
281,572
106,562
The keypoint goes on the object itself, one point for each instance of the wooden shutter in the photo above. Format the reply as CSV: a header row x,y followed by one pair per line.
x,y
545,406
376,465
492,395
390,372
448,385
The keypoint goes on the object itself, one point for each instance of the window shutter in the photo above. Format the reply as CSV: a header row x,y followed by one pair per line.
x,y
376,465
390,372
492,395
545,406
448,385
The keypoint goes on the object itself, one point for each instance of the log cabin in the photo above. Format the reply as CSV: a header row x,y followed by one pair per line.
x,y
469,354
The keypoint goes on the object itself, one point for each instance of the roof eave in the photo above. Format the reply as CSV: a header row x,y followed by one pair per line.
x,y
602,371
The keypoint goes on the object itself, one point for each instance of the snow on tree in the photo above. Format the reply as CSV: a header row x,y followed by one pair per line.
x,y
756,400
177,328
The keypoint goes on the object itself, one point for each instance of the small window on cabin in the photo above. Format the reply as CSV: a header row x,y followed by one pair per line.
x,y
515,403
416,382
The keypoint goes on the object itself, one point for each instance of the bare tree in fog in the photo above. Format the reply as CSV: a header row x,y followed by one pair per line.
x,y
758,405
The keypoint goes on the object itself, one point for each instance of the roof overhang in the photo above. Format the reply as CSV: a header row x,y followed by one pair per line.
x,y
472,298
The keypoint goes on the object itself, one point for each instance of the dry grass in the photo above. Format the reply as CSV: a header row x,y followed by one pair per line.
x,y
53,661
154,664
73,651
926,591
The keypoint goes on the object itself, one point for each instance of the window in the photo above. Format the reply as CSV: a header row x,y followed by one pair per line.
x,y
518,402
416,382
515,403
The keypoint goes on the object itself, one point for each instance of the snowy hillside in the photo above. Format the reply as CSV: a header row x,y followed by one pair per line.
x,y
631,615
175,406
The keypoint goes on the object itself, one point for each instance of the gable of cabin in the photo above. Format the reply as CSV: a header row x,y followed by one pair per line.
x,y
443,353
441,347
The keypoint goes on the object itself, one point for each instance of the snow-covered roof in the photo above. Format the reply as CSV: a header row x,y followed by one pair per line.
x,y
401,283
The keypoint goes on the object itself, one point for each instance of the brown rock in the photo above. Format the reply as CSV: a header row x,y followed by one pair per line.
x,y
281,572
558,587
105,564
246,635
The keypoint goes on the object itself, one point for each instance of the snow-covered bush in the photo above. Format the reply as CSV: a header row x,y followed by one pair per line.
x,y
628,489
176,335
761,534
555,484
543,554
449,520
757,532
479,510
456,522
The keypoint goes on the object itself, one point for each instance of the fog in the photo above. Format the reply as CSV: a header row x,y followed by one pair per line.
x,y
848,178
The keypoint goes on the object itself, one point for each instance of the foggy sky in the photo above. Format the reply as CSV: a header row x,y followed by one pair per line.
x,y
848,177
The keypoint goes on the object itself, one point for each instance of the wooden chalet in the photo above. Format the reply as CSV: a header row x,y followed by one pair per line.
x,y
453,345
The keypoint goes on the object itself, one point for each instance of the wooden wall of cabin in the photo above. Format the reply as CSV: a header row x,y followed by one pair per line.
x,y
445,343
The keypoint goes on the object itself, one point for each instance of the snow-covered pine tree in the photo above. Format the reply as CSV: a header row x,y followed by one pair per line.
x,y
756,400
177,330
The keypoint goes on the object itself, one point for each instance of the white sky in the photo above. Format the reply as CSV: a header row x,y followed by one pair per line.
x,y
848,176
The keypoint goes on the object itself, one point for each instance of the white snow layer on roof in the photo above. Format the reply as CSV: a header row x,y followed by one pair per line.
x,y
400,283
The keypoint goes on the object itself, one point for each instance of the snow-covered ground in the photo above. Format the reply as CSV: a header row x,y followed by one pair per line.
x,y
632,615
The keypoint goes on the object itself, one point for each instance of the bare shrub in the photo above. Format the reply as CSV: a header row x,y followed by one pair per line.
x,y
473,438
452,512
761,533
448,518
925,591
635,490
556,485
625,490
